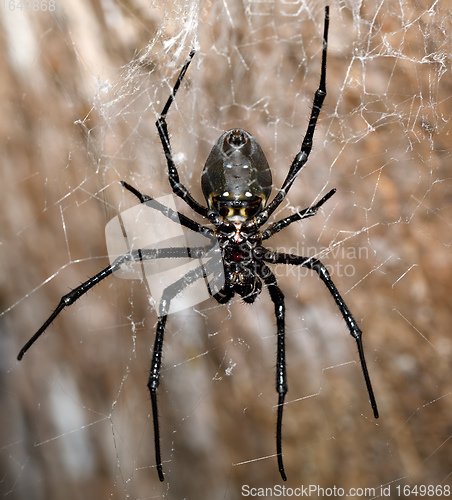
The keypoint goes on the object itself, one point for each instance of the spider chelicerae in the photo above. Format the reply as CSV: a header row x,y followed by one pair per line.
x,y
236,182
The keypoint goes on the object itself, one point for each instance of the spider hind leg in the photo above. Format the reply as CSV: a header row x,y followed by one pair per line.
x,y
277,298
154,376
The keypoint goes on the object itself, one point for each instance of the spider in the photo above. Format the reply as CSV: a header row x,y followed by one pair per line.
x,y
236,182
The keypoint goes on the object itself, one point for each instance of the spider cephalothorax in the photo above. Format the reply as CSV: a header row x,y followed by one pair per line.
x,y
236,182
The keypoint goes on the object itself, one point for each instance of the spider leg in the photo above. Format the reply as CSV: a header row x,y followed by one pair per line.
x,y
223,295
133,256
303,214
302,157
154,376
173,176
281,377
169,212
355,331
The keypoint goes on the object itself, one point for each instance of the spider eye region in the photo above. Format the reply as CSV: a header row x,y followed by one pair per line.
x,y
236,180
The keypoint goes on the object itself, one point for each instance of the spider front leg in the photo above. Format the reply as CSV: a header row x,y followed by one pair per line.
x,y
355,331
154,376
162,127
281,377
302,157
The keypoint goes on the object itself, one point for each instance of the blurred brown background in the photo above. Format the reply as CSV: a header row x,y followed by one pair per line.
x,y
81,87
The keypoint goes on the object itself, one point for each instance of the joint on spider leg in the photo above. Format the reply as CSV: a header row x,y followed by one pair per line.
x,y
320,94
142,197
127,186
302,156
213,217
72,296
161,122
153,384
320,268
355,330
281,387
162,129
163,308
262,218
260,253
67,300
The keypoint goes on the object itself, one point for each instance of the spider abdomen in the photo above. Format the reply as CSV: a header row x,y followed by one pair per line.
x,y
236,180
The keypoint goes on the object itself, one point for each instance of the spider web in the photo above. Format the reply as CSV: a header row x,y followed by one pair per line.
x,y
82,87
